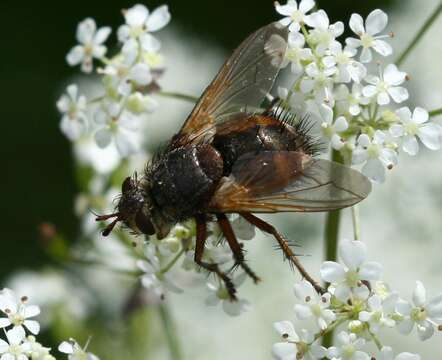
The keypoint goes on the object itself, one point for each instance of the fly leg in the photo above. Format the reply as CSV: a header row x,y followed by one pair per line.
x,y
284,245
201,237
234,245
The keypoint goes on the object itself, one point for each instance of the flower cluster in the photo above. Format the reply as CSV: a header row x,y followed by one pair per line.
x,y
359,304
17,320
353,88
160,256
128,79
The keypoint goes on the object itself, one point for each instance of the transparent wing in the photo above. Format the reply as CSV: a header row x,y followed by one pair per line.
x,y
279,181
242,83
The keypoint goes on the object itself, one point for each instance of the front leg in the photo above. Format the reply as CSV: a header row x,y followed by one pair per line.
x,y
201,237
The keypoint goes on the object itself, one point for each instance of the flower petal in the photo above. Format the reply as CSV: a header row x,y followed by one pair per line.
x,y
405,326
425,331
357,24
398,93
382,47
306,5
393,76
103,137
75,55
102,35
352,253
410,145
370,270
332,271
286,329
376,22
159,18
66,347
419,294
303,312
33,326
430,135
434,307
420,115
31,311
374,169
136,16
284,351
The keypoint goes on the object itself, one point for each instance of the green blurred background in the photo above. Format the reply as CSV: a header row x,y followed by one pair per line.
x,y
37,182
402,218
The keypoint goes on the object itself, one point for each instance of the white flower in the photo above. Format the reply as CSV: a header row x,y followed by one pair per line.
x,y
324,34
296,54
243,229
425,314
14,348
294,346
313,305
388,354
116,124
386,85
376,155
350,102
413,126
75,351
37,351
91,46
380,312
330,129
374,24
348,68
18,312
319,81
153,279
125,72
349,348
294,16
73,106
138,103
346,279
219,294
139,22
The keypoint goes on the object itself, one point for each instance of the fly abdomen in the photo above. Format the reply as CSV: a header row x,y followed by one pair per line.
x,y
185,180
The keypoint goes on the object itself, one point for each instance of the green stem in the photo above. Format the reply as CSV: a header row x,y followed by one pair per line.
x,y
356,222
331,241
435,112
427,24
172,262
169,330
177,95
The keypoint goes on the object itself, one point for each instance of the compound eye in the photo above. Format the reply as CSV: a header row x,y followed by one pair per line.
x,y
127,185
144,224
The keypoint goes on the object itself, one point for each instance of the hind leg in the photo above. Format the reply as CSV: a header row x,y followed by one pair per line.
x,y
284,245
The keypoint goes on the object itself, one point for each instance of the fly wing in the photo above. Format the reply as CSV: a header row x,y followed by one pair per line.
x,y
282,181
241,84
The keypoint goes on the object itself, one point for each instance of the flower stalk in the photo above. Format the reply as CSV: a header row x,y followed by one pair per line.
x,y
426,25
179,96
170,332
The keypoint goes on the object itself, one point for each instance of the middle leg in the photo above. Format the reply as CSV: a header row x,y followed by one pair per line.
x,y
201,237
234,245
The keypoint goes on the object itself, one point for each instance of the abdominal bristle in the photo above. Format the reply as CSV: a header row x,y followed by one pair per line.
x,y
302,125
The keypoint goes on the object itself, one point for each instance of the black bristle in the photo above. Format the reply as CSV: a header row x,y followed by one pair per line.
x,y
302,125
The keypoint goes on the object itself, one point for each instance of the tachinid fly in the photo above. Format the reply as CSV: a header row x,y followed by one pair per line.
x,y
231,157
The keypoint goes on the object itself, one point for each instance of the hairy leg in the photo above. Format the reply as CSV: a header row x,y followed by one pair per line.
x,y
234,245
284,245
201,237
